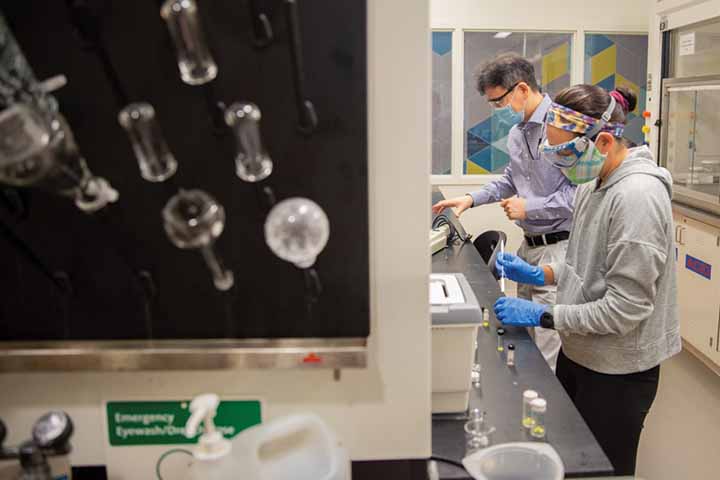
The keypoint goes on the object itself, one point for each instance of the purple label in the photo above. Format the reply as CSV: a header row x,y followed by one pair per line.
x,y
698,266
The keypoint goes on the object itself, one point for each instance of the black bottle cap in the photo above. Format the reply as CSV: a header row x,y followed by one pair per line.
x,y
501,331
511,346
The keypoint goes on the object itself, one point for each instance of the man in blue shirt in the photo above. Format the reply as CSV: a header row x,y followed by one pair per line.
x,y
533,193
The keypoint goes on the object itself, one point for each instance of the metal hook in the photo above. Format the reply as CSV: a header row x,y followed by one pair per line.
x,y
262,29
307,116
149,289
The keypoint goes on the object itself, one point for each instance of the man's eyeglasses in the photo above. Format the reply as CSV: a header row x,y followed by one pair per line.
x,y
498,102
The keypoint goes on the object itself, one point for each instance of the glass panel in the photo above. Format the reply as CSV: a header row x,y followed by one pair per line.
x,y
620,60
707,143
696,50
550,53
693,146
681,127
441,102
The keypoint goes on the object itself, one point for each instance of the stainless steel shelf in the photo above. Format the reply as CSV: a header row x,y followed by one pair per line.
x,y
285,353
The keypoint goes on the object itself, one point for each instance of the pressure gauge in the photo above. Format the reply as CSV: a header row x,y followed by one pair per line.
x,y
53,431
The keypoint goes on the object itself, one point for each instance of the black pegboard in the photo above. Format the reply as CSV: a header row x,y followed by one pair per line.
x,y
102,254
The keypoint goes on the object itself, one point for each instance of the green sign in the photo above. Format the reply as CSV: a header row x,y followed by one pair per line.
x,y
163,422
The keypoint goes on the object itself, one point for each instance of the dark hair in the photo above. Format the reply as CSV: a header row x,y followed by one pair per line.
x,y
505,71
593,101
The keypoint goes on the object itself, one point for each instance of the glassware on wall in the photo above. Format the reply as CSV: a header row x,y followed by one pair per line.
x,y
37,146
297,230
33,153
194,220
252,163
194,60
154,157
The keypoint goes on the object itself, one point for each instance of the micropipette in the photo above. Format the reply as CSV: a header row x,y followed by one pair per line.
x,y
502,269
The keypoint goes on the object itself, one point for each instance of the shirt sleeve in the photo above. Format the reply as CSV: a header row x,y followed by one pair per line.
x,y
636,256
557,205
504,187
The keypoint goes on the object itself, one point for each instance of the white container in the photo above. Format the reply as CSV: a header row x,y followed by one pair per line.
x,y
297,447
516,461
456,316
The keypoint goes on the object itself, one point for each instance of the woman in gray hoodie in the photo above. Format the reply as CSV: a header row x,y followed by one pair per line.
x,y
616,306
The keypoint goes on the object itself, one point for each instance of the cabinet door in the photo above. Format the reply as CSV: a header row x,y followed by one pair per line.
x,y
699,285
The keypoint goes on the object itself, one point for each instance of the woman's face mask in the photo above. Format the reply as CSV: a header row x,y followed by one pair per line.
x,y
579,159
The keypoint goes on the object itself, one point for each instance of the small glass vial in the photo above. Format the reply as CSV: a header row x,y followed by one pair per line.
x,y
500,341
485,317
528,397
510,360
154,157
538,407
252,162
194,60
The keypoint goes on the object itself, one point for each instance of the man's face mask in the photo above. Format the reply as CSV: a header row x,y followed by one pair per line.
x,y
506,116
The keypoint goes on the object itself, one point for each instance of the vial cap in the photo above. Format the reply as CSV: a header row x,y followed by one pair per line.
x,y
511,346
530,394
501,331
539,405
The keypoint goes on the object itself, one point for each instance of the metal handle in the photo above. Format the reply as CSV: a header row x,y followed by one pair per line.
x,y
681,236
307,117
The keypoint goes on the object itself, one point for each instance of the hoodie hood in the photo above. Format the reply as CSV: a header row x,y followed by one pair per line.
x,y
639,161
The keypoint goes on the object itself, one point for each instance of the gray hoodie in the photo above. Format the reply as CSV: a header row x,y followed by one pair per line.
x,y
616,296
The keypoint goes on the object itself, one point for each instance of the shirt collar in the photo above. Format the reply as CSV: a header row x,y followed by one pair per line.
x,y
538,116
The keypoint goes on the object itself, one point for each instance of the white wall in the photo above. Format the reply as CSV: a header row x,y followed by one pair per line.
x,y
381,412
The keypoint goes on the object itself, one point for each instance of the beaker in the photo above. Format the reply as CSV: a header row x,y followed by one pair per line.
x,y
477,431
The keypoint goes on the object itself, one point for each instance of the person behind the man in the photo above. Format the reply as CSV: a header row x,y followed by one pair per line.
x,y
533,193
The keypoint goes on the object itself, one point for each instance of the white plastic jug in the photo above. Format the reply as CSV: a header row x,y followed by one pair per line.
x,y
297,447
516,461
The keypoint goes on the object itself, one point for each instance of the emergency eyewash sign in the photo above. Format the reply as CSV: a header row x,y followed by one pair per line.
x,y
163,422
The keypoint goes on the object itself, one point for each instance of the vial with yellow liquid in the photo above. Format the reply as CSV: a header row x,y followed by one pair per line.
x,y
500,341
485,317
528,396
538,407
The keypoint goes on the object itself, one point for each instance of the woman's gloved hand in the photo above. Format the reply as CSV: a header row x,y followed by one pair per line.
x,y
518,312
518,270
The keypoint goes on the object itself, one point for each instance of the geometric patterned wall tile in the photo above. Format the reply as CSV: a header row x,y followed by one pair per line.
x,y
442,42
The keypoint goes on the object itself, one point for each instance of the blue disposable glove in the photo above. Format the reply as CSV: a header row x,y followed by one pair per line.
x,y
518,312
518,270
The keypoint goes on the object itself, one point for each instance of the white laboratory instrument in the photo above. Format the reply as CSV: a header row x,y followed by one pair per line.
x,y
438,238
502,269
456,317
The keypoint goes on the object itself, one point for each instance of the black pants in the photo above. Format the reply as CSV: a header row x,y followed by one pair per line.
x,y
613,406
